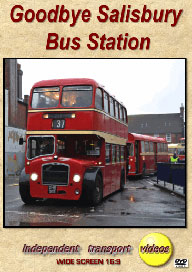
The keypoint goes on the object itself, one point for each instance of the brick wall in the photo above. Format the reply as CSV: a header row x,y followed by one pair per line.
x,y
21,121
7,75
17,110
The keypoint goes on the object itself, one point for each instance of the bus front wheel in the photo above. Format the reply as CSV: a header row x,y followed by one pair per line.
x,y
24,190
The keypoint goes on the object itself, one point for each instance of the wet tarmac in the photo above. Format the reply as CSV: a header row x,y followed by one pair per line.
x,y
141,204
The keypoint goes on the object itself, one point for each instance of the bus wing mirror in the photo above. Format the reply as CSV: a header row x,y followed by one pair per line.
x,y
21,141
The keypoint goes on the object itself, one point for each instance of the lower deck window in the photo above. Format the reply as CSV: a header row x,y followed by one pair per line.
x,y
78,146
122,153
107,153
113,154
118,153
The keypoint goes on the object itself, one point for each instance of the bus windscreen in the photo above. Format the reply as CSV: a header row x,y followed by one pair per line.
x,y
45,98
40,146
77,96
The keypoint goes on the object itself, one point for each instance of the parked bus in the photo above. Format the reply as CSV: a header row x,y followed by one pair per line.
x,y
144,152
179,149
75,142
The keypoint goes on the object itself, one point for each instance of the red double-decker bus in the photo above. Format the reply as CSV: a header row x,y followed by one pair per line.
x,y
144,152
75,142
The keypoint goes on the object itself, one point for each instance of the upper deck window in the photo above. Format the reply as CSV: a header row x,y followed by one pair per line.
x,y
77,96
106,102
125,115
121,113
112,112
116,110
99,99
45,97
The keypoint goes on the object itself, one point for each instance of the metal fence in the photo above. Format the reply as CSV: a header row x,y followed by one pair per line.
x,y
172,173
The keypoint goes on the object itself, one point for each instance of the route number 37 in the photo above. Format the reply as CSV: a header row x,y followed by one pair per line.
x,y
58,124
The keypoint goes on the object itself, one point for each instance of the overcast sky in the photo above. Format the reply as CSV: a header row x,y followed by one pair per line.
x,y
143,85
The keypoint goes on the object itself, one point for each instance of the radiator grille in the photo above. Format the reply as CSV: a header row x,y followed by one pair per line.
x,y
57,174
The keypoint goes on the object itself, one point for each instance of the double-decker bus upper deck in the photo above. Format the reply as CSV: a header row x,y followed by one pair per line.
x,y
76,106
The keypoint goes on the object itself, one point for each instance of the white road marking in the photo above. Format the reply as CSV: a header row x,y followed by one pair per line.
x,y
42,214
142,217
150,182
96,215
13,200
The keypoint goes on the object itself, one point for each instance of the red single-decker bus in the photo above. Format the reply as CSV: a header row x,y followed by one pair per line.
x,y
144,152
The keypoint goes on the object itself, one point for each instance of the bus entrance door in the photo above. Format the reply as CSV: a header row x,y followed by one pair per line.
x,y
137,156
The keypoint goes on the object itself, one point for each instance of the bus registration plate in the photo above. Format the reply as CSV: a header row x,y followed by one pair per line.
x,y
58,123
52,189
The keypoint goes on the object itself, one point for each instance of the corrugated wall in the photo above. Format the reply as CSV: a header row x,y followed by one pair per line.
x,y
14,153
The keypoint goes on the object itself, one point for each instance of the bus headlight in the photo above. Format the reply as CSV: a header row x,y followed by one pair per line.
x,y
34,176
76,178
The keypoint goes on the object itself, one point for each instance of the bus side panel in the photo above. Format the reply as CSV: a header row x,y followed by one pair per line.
x,y
132,169
120,167
107,123
99,121
151,162
107,179
117,177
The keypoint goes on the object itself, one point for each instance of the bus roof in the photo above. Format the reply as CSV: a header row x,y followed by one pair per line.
x,y
134,136
72,81
178,145
68,81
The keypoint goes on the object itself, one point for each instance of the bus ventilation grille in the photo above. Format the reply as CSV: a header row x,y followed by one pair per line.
x,y
57,174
